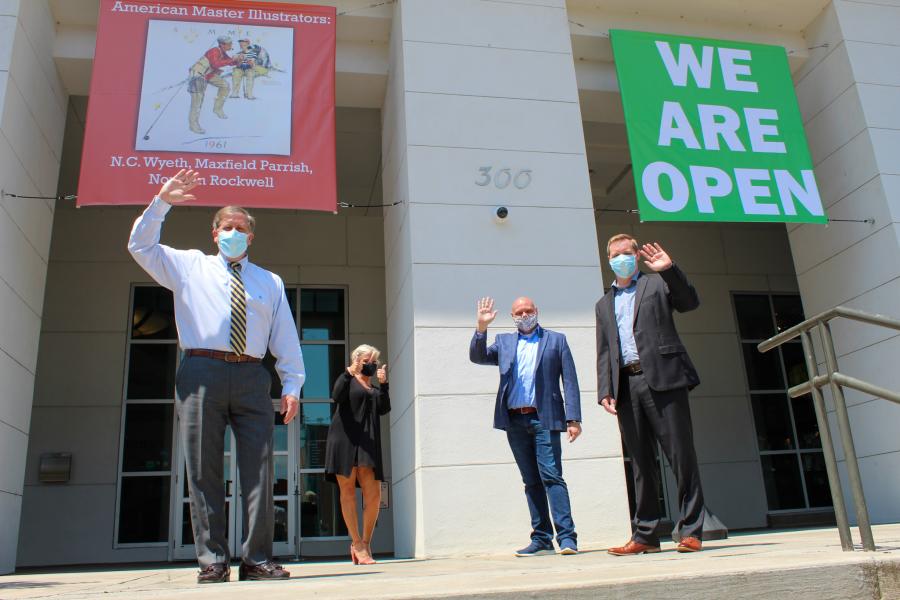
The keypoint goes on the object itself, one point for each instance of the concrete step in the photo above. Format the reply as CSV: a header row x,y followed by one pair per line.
x,y
791,565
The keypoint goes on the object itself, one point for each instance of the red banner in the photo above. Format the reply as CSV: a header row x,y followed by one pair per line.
x,y
242,92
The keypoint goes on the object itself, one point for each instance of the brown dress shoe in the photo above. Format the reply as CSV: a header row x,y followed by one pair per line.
x,y
265,570
214,573
689,544
632,548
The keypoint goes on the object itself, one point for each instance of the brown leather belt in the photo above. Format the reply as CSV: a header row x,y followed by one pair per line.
x,y
226,356
633,368
525,410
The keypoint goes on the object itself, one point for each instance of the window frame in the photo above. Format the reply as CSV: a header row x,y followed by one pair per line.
x,y
796,450
300,469
120,474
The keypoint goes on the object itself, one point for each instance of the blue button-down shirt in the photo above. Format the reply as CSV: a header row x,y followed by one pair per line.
x,y
522,393
624,306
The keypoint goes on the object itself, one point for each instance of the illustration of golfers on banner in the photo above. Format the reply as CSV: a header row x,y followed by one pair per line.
x,y
217,106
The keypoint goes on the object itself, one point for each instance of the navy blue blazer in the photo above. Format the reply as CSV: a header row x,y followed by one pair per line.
x,y
554,362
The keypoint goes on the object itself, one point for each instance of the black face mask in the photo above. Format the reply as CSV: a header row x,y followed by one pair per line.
x,y
369,369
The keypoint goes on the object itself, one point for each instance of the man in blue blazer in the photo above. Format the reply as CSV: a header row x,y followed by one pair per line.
x,y
533,412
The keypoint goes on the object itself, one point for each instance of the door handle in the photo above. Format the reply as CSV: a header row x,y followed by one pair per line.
x,y
227,488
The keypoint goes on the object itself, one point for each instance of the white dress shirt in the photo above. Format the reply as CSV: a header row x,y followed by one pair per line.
x,y
201,284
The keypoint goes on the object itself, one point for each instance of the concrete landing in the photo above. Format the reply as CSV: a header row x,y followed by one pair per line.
x,y
796,565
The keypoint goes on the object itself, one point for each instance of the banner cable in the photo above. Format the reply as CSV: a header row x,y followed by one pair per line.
x,y
376,5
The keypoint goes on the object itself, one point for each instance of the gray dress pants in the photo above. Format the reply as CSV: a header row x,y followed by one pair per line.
x,y
211,394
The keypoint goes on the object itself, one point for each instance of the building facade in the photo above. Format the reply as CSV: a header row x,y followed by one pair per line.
x,y
440,106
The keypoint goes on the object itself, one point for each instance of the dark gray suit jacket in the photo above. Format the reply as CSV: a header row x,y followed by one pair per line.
x,y
664,359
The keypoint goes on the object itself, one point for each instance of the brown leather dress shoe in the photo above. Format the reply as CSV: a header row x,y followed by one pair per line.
x,y
689,544
632,548
265,570
214,573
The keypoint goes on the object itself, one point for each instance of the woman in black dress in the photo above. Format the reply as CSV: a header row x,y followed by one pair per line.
x,y
353,449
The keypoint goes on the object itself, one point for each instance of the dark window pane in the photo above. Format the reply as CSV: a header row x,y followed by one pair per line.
x,y
151,371
788,311
144,510
806,422
148,437
153,317
280,435
322,314
816,479
781,476
291,294
763,369
773,422
320,508
280,488
315,419
187,533
754,316
323,364
269,364
794,363
281,521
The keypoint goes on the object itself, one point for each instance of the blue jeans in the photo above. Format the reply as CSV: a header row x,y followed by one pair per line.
x,y
538,454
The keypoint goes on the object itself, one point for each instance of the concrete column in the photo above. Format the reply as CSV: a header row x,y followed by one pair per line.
x,y
32,119
482,111
848,94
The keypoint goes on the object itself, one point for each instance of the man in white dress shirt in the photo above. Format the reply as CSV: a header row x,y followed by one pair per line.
x,y
228,312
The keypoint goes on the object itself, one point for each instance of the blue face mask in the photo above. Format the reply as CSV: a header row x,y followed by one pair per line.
x,y
232,244
623,265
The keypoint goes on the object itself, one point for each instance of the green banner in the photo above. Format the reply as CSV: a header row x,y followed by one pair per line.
x,y
714,130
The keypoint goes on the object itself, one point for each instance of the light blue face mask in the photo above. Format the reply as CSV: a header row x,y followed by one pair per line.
x,y
623,265
232,244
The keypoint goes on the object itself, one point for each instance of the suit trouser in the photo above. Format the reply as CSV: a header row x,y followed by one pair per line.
x,y
645,416
211,394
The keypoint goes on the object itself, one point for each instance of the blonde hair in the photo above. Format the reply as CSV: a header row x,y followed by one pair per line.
x,y
362,350
618,238
233,210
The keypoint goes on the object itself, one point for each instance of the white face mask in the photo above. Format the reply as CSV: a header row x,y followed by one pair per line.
x,y
527,323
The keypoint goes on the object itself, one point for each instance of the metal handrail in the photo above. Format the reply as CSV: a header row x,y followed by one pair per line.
x,y
837,381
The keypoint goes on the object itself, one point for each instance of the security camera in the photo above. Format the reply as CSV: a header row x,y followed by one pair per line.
x,y
500,214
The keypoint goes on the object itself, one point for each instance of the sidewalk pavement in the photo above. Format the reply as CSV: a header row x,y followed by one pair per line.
x,y
797,564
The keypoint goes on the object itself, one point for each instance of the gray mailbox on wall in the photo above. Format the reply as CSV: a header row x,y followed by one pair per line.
x,y
55,467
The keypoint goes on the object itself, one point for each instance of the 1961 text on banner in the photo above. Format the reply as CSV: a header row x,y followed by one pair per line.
x,y
714,130
241,91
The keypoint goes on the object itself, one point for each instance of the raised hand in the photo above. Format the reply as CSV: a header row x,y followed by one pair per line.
x,y
655,257
356,367
175,190
382,374
486,313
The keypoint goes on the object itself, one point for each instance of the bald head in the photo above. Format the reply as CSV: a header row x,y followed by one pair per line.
x,y
523,306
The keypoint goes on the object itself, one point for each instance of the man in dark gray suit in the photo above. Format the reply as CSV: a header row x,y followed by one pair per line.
x,y
643,376
533,412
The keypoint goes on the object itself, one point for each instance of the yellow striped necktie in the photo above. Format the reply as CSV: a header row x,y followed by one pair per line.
x,y
238,338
